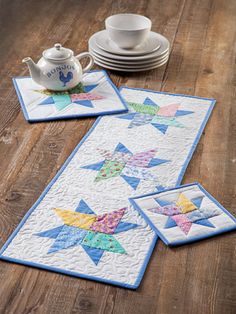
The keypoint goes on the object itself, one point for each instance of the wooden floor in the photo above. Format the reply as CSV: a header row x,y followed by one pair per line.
x,y
198,278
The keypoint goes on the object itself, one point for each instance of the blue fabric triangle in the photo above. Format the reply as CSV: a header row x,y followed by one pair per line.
x,y
160,127
132,181
93,253
47,101
170,223
163,203
124,226
204,222
128,116
96,166
160,187
84,208
122,149
149,102
156,161
88,88
52,233
68,237
86,103
197,201
182,113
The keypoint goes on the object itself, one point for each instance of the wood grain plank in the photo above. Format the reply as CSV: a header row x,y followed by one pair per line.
x,y
198,278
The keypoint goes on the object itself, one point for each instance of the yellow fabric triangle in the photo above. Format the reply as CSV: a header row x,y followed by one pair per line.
x,y
75,219
185,204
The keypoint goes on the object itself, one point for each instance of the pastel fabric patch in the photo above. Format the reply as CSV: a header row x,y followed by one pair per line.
x,y
96,95
83,224
184,214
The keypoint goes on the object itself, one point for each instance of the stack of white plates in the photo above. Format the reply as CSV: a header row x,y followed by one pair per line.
x,y
151,54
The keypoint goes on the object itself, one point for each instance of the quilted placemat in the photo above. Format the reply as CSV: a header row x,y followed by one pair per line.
x,y
83,223
184,214
96,95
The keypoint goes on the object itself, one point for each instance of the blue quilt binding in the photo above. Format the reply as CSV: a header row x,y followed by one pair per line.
x,y
74,115
144,266
193,239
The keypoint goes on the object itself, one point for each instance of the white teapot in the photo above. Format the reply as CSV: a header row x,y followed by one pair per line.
x,y
58,69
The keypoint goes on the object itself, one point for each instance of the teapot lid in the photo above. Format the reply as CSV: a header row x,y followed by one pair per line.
x,y
57,53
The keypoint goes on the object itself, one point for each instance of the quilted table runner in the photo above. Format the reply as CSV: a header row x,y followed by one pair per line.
x,y
83,224
96,95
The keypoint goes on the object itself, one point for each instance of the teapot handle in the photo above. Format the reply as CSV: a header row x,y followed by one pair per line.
x,y
86,55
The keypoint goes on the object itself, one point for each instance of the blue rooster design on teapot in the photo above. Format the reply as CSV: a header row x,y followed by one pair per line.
x,y
63,77
67,78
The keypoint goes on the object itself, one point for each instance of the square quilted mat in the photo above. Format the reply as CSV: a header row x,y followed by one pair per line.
x,y
184,214
96,95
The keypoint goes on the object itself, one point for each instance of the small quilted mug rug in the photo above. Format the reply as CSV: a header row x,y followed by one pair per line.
x,y
96,95
184,214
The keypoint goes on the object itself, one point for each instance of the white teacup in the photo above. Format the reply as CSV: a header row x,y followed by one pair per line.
x,y
128,30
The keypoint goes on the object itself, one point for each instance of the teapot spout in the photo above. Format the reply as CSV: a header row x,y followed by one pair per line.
x,y
34,69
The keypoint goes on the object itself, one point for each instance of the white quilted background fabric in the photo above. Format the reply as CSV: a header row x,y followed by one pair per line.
x,y
76,183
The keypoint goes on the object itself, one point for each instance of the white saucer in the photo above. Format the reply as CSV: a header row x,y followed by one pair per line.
x,y
150,45
128,62
130,69
153,55
131,64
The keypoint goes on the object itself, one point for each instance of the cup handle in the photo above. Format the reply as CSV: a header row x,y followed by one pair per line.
x,y
86,55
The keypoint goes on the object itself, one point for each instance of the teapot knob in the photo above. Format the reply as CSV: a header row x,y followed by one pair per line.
x,y
58,46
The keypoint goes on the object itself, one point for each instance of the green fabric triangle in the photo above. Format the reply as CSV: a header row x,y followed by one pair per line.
x,y
103,241
141,108
110,169
61,101
167,121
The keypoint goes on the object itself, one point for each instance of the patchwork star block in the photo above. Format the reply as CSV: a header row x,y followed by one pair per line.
x,y
184,214
95,95
94,233
63,99
182,206
151,113
131,167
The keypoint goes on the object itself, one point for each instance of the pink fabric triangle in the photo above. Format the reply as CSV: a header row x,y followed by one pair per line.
x,y
168,111
107,223
183,222
142,159
85,96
